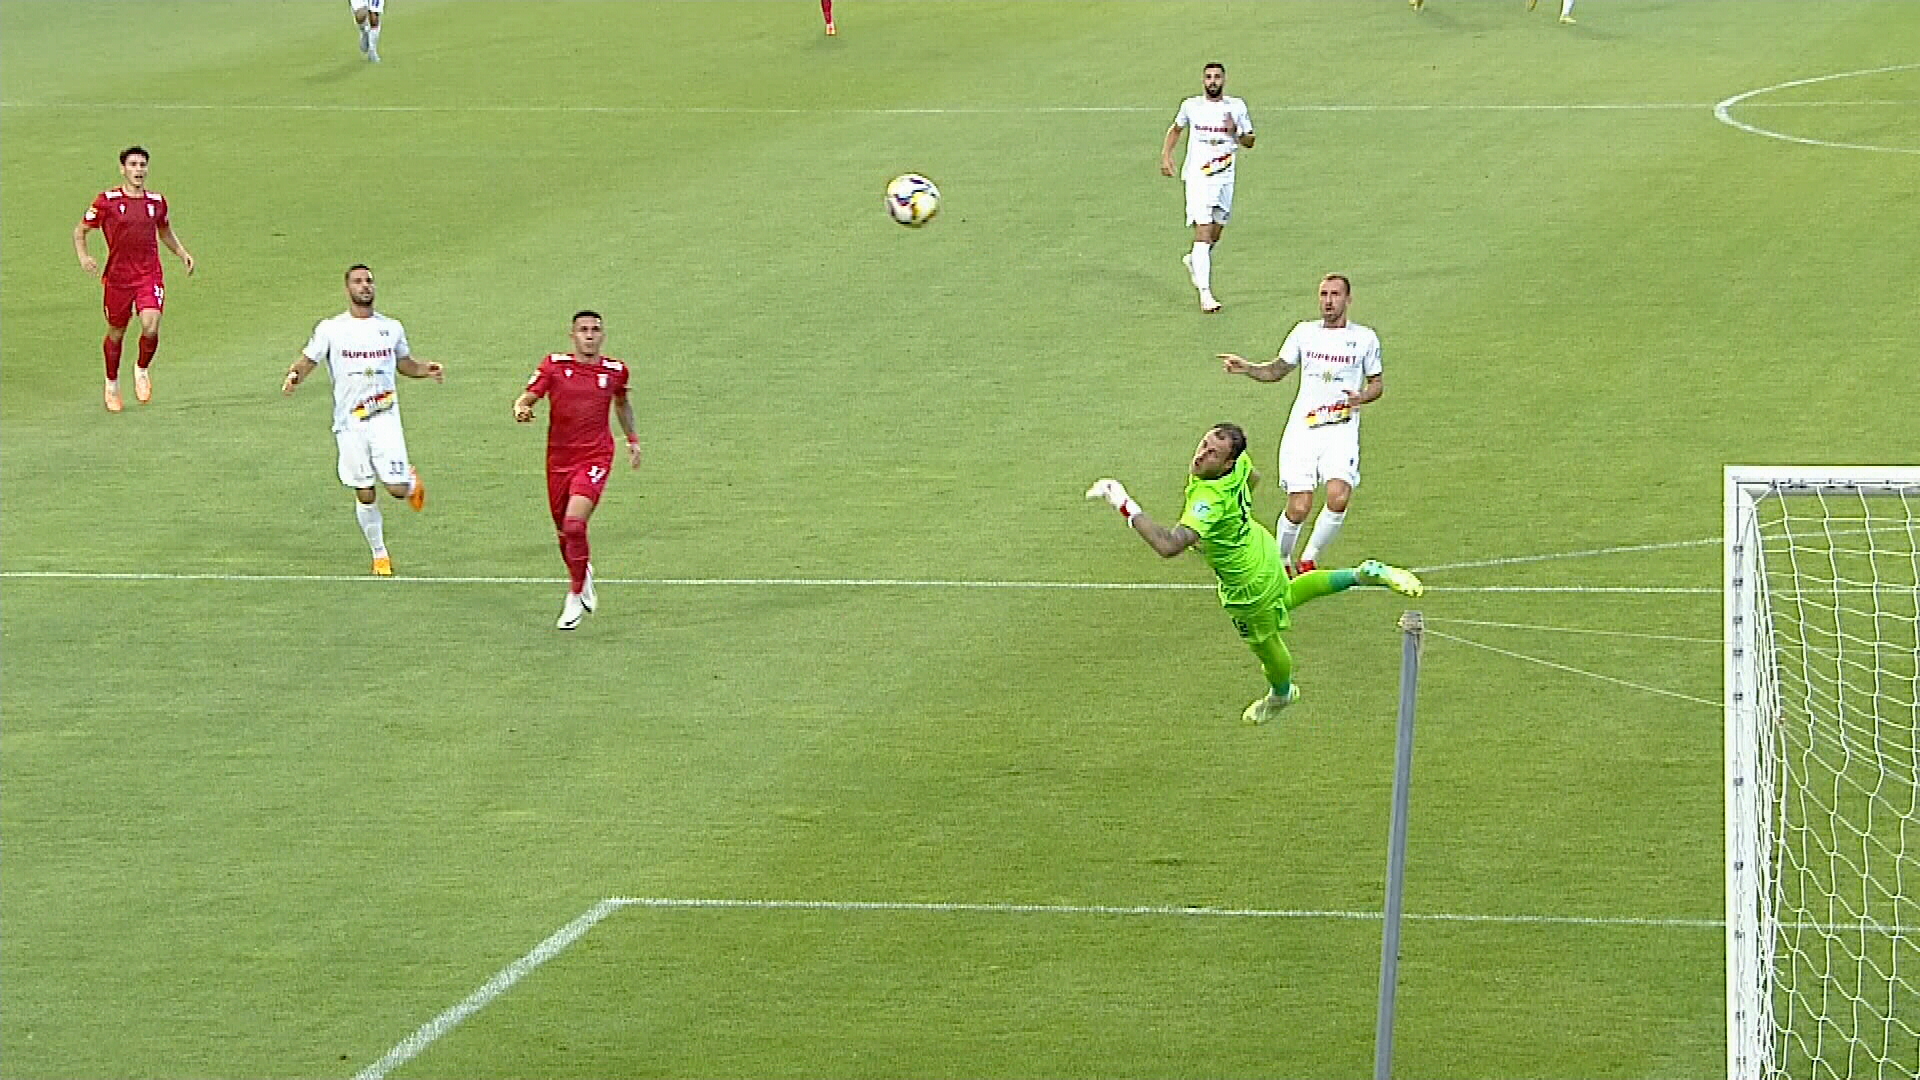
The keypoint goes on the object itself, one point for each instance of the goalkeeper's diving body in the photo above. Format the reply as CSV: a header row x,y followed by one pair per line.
x,y
1254,587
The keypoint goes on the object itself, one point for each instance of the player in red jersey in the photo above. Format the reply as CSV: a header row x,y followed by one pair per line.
x,y
579,386
135,222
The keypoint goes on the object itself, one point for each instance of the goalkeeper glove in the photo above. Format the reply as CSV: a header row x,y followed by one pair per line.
x,y
1116,496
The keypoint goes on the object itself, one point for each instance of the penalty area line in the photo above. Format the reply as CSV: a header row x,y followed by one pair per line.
x,y
427,1034
410,1047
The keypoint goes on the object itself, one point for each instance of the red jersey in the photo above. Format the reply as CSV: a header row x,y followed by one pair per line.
x,y
132,225
579,393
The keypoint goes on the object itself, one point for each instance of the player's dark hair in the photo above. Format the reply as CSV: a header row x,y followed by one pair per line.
x,y
132,150
578,315
1342,279
1215,64
356,266
1235,437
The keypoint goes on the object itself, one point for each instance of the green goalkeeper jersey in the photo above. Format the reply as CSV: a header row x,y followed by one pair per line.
x,y
1243,554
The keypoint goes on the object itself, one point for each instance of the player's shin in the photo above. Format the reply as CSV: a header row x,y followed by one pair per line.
x,y
1318,583
149,344
1325,528
1287,531
574,549
1277,662
110,349
372,526
1202,265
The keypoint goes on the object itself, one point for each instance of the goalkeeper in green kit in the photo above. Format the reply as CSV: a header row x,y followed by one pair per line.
x,y
1254,587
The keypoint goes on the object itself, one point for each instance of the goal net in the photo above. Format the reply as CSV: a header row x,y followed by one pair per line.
x,y
1823,772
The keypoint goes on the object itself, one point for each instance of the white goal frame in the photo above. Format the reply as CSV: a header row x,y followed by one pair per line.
x,y
1750,953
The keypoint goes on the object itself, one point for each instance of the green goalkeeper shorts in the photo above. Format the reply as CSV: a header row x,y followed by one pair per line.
x,y
1259,622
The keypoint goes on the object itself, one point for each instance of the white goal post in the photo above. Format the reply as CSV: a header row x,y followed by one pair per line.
x,y
1822,655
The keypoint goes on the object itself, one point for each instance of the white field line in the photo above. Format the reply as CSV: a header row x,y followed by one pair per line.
x,y
1179,911
1576,630
1722,111
412,1046
1515,560
816,583
409,1048
961,110
1576,671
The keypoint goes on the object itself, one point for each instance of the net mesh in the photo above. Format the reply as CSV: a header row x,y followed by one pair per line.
x,y
1840,574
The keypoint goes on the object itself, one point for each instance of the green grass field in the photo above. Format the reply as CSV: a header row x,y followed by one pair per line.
x,y
265,818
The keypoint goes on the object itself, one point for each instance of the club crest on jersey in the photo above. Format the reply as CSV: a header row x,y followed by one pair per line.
x,y
603,382
1202,509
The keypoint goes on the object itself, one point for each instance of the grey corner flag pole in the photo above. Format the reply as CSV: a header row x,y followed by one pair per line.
x,y
1411,627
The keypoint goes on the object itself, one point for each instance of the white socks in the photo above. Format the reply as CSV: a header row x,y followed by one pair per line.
x,y
373,39
1325,528
369,515
1566,8
1202,264
1289,537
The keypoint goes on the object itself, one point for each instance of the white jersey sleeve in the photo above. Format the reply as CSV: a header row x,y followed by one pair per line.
x,y
1180,119
1243,121
1290,349
318,346
401,350
1370,363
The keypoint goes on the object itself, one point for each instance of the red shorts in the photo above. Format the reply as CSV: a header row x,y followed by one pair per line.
x,y
567,479
124,301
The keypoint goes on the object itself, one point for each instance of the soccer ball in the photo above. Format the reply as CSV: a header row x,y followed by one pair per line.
x,y
912,199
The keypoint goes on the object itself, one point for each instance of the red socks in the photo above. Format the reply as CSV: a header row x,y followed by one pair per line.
x,y
147,346
826,9
573,548
110,349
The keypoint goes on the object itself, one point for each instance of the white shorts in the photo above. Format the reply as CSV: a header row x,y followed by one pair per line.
x,y
367,5
373,451
1209,201
1309,460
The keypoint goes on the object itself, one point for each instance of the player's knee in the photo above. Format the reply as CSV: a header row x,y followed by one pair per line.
x,y
1337,500
574,527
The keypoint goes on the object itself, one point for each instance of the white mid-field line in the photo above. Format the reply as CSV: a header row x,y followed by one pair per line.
x,y
954,110
428,1033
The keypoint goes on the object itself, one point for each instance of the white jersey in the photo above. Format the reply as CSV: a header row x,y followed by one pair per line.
x,y
1332,360
362,357
1210,149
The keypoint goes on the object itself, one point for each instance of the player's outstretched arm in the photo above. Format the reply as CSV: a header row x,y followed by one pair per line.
x,y
1272,371
421,369
302,367
1168,542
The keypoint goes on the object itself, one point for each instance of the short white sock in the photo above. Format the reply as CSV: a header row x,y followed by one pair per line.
x,y
369,515
1202,266
1325,528
1289,534
1566,7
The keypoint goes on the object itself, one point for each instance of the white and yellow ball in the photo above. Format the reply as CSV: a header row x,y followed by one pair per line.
x,y
912,199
